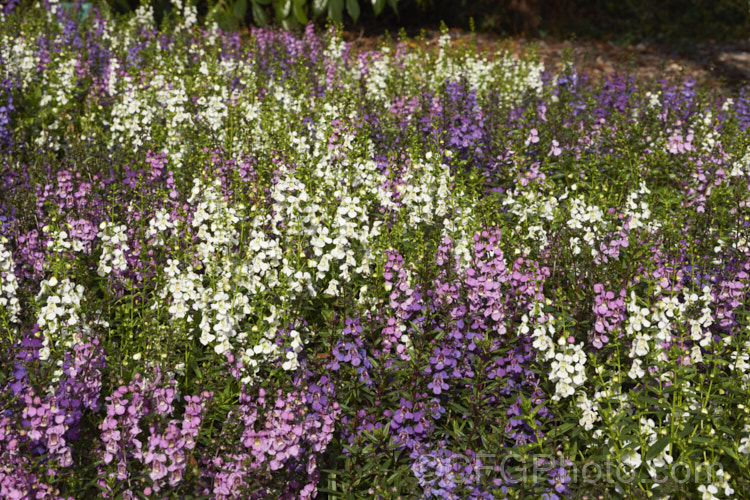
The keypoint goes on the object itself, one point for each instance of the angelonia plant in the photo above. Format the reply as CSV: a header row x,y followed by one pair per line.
x,y
271,266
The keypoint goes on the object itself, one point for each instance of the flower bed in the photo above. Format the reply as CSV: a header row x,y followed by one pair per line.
x,y
270,267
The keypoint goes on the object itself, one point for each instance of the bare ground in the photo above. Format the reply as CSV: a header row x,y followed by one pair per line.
x,y
723,66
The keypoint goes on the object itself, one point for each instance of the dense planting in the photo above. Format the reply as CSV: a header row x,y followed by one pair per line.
x,y
270,267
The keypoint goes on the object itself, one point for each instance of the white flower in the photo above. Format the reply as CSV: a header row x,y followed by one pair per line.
x,y
333,288
695,354
543,343
206,337
291,362
563,389
8,285
223,346
636,371
640,345
588,419
708,492
44,353
632,459
744,447
722,482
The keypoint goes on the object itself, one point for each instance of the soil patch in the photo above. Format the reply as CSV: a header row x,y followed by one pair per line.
x,y
725,66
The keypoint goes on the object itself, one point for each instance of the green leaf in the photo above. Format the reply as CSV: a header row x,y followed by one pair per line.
x,y
562,429
259,15
650,401
239,9
377,6
263,2
215,12
657,447
395,478
730,452
336,11
352,7
283,8
455,406
298,9
725,429
457,430
367,467
319,7
289,23
684,432
394,5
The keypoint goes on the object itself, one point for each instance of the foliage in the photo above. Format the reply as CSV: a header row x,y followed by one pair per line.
x,y
231,14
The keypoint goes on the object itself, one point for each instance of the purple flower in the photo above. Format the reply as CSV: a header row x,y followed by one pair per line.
x,y
555,149
559,478
438,383
533,137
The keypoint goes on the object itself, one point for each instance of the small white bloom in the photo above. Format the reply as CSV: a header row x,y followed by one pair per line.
x,y
632,459
708,492
636,370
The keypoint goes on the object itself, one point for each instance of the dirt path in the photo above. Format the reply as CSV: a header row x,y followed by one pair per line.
x,y
726,66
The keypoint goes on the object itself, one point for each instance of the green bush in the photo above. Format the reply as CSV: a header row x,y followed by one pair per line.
x,y
624,21
286,13
289,13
